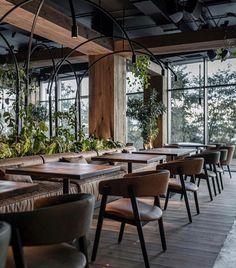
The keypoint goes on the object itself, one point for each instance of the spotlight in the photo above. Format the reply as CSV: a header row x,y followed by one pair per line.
x,y
194,8
74,28
211,54
162,72
74,31
133,58
224,54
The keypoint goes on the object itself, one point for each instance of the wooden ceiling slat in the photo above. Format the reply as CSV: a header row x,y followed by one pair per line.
x,y
186,42
53,25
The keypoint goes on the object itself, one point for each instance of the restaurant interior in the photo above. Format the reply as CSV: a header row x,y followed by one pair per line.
x,y
117,133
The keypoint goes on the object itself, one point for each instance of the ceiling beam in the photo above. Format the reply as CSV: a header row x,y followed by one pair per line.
x,y
53,25
41,57
201,40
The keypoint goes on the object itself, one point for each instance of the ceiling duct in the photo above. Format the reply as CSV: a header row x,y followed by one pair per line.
x,y
194,8
174,10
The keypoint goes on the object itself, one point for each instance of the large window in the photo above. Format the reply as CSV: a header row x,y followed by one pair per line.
x,y
133,133
202,102
66,91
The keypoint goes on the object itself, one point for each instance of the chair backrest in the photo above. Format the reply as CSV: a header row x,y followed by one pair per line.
x,y
223,154
147,185
54,220
5,234
230,154
210,156
187,166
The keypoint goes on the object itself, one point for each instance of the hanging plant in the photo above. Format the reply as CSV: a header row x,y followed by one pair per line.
x,y
145,112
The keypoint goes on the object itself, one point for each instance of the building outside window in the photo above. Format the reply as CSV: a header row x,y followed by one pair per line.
x,y
66,88
133,133
202,105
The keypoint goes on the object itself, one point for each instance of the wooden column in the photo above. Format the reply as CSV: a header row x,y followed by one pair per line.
x,y
107,97
160,84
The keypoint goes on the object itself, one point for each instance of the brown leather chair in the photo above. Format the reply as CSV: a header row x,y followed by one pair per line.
x,y
229,158
130,210
181,168
211,160
5,234
40,238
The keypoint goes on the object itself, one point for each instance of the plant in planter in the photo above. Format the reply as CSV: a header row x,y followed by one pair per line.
x,y
145,112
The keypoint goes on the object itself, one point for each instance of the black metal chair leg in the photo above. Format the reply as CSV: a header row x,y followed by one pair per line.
x,y
214,186
122,227
83,248
162,234
218,184
142,243
196,202
198,183
230,175
209,189
99,227
187,206
167,199
221,181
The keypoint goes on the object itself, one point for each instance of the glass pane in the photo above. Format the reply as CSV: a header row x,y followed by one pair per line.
x,y
85,87
44,94
188,75
222,114
220,71
132,127
130,87
85,115
68,89
187,121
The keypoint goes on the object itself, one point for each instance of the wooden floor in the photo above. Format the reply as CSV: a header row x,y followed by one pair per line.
x,y
188,245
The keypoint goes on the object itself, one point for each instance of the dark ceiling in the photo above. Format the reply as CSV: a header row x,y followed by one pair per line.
x,y
139,18
154,17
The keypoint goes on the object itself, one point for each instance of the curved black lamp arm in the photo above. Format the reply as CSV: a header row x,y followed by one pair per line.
x,y
103,10
17,84
29,50
54,70
77,100
74,28
90,66
13,8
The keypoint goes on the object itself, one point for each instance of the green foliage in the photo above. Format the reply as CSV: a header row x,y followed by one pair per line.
x,y
146,113
33,139
141,75
187,118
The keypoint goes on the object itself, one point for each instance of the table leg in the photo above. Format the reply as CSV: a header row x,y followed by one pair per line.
x,y
129,167
66,186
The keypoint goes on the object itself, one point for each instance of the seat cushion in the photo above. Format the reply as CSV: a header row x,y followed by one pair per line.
x,y
211,173
123,208
176,185
53,256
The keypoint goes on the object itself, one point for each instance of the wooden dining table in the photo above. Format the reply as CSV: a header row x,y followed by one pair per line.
x,y
196,145
66,171
129,158
172,152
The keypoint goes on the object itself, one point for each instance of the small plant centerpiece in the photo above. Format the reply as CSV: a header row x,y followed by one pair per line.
x,y
147,111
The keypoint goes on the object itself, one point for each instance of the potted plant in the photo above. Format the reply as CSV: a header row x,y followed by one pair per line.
x,y
145,112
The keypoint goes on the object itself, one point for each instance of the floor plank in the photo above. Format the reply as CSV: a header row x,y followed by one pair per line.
x,y
188,245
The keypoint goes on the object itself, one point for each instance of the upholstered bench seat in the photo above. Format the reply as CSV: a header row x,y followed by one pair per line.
x,y
25,202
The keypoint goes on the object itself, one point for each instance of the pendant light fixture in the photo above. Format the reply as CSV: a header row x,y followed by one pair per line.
x,y
74,27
